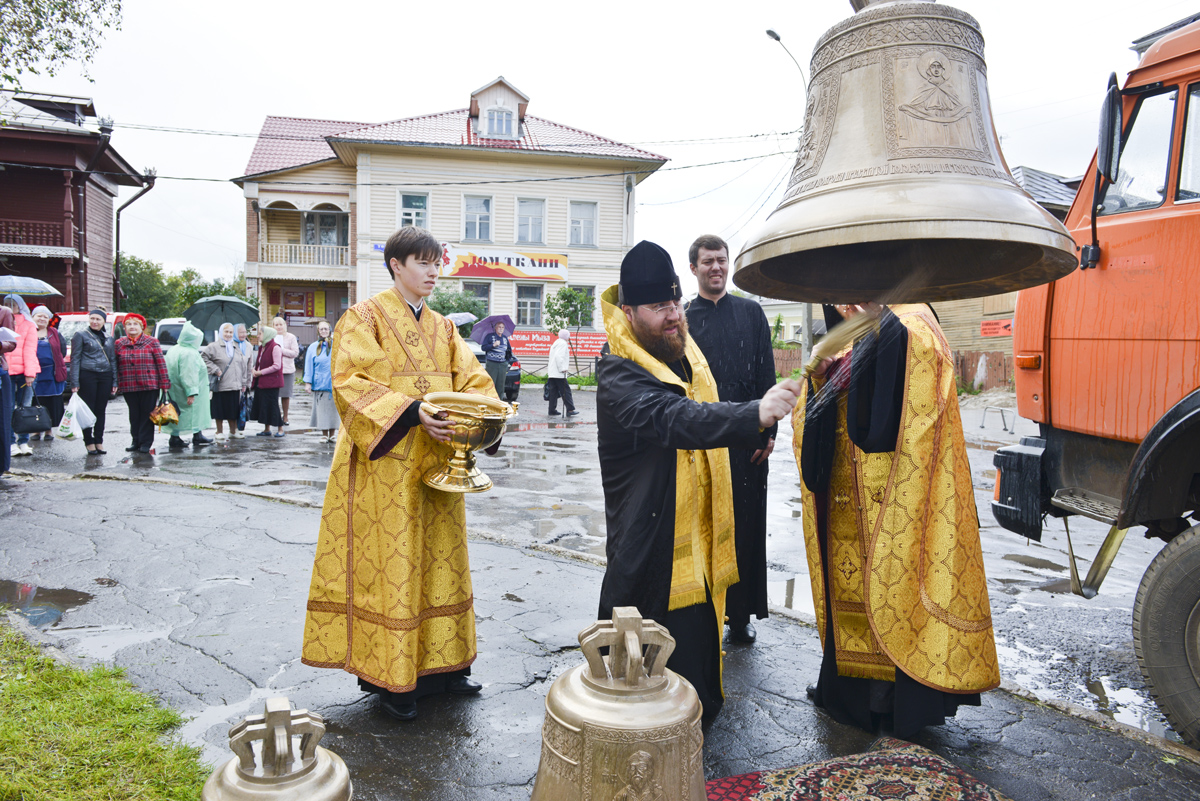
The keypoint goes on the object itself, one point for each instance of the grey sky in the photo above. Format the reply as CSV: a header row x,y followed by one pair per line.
x,y
647,73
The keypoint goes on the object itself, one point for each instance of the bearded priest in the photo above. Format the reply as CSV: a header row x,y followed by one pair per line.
x,y
662,438
390,600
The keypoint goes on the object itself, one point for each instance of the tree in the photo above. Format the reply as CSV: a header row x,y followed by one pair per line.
x,y
569,308
777,332
147,289
49,34
444,301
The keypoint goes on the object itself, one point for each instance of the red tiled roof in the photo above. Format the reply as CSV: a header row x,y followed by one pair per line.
x,y
286,142
455,129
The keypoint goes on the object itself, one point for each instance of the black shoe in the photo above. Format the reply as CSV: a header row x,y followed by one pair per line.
x,y
572,413
743,634
99,451
199,440
397,706
553,413
462,685
176,442
144,449
131,449
811,692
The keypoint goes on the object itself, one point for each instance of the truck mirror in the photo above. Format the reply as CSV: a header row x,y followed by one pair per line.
x,y
1108,151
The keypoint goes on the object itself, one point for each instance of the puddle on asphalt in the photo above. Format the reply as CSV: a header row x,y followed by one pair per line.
x,y
1126,705
793,593
41,606
512,427
1034,562
227,483
292,482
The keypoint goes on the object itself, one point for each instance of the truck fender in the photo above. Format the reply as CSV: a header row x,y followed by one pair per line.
x,y
1021,492
1160,476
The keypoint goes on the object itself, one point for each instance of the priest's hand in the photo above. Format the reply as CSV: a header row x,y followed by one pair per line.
x,y
435,427
762,454
778,402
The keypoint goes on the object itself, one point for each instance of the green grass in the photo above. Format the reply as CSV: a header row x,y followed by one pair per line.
x,y
573,380
72,735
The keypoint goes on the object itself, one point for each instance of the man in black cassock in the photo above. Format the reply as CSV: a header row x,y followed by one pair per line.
x,y
661,435
735,337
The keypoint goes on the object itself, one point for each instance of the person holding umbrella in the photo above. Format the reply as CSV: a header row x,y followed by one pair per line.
x,y
22,365
498,353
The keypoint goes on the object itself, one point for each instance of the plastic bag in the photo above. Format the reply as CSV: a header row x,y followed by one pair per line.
x,y
76,417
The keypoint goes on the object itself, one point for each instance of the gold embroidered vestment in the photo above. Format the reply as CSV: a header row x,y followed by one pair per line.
x,y
905,565
390,598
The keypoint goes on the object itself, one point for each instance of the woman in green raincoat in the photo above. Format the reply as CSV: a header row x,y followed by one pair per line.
x,y
189,389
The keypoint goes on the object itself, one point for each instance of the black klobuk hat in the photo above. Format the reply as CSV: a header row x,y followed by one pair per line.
x,y
648,276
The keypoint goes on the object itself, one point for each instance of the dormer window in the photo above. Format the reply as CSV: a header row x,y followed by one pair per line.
x,y
500,122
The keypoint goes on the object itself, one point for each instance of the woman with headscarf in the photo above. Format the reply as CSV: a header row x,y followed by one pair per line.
x,y
23,365
141,374
52,376
319,380
225,360
289,346
6,393
268,378
93,374
189,389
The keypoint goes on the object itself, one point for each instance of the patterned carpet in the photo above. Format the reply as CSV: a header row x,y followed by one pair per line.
x,y
892,770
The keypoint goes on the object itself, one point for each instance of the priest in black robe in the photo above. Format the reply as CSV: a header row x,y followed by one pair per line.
x,y
891,530
735,337
662,433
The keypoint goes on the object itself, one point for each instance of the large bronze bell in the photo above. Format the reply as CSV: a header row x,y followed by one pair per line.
x,y
900,191
622,727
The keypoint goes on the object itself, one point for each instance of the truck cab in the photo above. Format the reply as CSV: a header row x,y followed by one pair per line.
x,y
1107,362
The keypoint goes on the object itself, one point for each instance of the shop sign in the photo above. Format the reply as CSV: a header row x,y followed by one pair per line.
x,y
531,342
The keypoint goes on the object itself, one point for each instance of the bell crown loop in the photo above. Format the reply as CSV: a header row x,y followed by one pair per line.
x,y
627,668
275,728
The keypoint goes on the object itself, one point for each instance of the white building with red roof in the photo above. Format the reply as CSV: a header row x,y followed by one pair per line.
x,y
523,206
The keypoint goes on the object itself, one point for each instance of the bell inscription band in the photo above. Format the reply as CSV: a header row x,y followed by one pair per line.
x,y
478,424
900,190
277,769
622,727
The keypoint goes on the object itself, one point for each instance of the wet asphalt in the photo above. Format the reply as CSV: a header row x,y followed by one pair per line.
x,y
199,594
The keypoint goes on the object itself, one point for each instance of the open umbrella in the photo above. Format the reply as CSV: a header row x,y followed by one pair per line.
x,y
487,324
208,313
22,285
461,318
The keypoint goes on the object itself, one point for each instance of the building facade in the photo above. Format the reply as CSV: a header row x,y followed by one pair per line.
x,y
523,206
57,190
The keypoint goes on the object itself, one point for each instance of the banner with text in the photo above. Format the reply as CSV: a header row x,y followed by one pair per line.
x,y
532,342
462,262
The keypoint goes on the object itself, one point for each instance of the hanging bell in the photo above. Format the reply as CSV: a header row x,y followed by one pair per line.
x,y
900,192
622,726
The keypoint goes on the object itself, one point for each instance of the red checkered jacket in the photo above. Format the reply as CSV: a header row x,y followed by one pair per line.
x,y
140,365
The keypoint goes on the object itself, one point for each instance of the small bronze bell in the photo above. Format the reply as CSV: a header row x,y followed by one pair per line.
x,y
900,191
622,726
281,772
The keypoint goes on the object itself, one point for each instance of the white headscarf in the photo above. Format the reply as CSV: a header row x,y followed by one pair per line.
x,y
231,344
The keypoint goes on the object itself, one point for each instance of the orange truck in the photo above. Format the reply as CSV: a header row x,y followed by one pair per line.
x,y
1107,362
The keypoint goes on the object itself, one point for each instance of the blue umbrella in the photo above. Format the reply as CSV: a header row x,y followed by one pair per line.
x,y
22,285
487,324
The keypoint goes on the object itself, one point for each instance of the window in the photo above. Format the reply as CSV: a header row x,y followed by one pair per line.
x,y
481,291
1146,150
414,211
798,332
326,229
500,122
1189,162
479,218
583,223
530,215
529,305
590,293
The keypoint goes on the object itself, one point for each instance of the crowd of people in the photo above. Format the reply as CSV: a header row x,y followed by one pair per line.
x,y
245,376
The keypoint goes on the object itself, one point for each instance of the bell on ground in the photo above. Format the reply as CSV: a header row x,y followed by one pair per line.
x,y
277,759
622,726
899,191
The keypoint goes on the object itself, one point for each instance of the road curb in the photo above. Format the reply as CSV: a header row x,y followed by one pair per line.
x,y
168,482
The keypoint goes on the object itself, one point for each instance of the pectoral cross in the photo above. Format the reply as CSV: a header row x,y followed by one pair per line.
x,y
673,286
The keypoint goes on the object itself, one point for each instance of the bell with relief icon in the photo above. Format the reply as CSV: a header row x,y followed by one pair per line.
x,y
622,727
900,191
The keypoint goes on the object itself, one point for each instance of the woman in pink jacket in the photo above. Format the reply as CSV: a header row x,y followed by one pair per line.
x,y
289,348
23,365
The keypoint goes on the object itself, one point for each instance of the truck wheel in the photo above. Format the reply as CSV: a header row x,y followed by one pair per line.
x,y
1166,632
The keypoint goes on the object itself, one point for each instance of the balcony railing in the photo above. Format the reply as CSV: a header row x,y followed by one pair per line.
x,y
31,232
319,255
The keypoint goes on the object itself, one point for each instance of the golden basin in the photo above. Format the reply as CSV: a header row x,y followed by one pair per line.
x,y
478,424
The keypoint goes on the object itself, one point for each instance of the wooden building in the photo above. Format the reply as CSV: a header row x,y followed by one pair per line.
x,y
523,206
58,184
